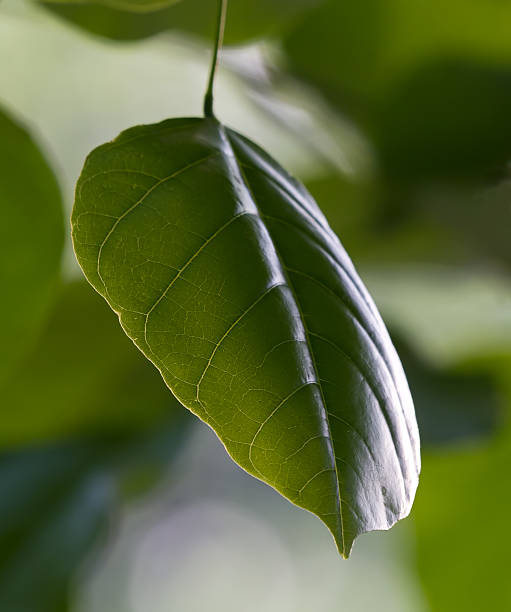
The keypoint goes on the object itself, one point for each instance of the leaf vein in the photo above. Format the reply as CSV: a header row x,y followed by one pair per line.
x,y
138,203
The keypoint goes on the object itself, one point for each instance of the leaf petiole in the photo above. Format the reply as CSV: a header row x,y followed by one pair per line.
x,y
208,98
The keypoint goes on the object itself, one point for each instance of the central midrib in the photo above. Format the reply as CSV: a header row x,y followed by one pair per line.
x,y
305,328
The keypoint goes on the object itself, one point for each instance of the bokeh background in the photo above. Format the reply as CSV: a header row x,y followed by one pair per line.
x,y
396,115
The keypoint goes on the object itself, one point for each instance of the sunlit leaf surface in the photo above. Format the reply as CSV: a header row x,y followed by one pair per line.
x,y
227,276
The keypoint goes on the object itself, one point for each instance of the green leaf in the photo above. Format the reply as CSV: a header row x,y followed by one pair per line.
x,y
31,240
247,19
83,376
135,6
228,278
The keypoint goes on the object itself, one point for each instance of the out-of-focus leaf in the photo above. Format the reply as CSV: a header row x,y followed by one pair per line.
x,y
461,567
336,46
31,239
478,218
430,85
136,6
113,23
383,228
449,118
228,278
351,207
84,375
246,20
369,46
55,503
336,141
456,405
449,314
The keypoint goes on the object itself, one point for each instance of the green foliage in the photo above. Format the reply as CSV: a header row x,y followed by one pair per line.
x,y
478,218
136,6
430,83
456,405
31,239
83,376
54,502
248,19
457,489
64,371
226,275
57,500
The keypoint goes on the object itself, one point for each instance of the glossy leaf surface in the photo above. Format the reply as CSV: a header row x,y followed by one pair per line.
x,y
31,239
228,278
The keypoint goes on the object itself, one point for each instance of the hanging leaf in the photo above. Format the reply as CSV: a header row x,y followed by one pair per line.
x,y
31,240
228,278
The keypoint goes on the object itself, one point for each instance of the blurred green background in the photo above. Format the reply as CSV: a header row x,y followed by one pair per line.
x,y
395,114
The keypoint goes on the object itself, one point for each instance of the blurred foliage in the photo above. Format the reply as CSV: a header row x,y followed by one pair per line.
x,y
137,6
31,240
58,501
462,567
83,376
429,83
54,503
378,224
247,19
449,314
453,405
477,218
75,374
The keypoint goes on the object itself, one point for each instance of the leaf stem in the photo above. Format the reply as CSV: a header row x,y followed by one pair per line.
x,y
219,37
